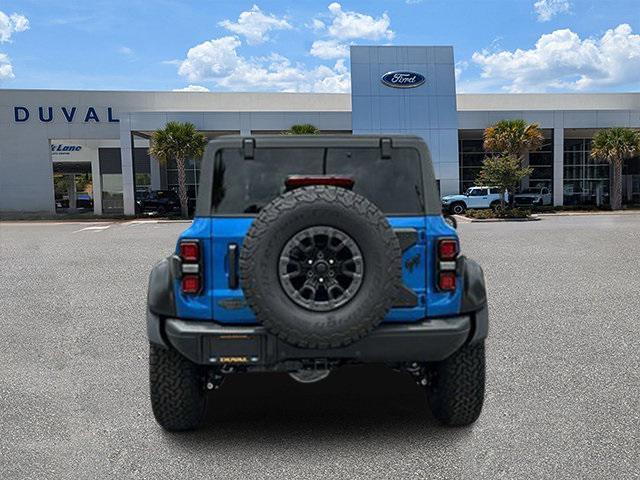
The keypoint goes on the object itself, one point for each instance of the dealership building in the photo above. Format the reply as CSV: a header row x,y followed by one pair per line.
x,y
69,151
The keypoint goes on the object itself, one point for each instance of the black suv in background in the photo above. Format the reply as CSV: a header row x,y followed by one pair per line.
x,y
159,202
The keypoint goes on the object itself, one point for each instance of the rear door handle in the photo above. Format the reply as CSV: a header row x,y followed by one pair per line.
x,y
232,252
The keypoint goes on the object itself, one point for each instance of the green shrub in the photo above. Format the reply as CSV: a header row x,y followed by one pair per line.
x,y
506,213
485,213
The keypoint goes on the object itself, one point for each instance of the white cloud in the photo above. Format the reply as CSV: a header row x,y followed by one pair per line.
x,y
316,25
211,59
10,24
254,25
460,67
126,51
6,70
547,9
192,88
328,49
344,26
218,61
348,25
561,60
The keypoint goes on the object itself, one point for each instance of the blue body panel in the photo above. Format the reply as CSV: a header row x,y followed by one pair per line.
x,y
226,305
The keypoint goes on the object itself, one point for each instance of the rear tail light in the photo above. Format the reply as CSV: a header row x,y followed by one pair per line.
x,y
191,284
446,271
447,281
191,256
190,251
447,249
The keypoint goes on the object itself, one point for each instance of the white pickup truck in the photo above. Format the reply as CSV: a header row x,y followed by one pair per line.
x,y
474,197
536,196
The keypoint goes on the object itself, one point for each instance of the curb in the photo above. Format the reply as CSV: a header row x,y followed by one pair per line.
x,y
577,214
496,220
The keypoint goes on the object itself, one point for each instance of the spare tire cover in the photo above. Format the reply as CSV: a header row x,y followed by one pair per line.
x,y
320,267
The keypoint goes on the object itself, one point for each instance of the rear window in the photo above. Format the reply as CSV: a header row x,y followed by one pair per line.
x,y
245,186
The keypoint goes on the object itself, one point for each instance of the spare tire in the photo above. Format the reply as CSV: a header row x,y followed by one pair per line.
x,y
320,267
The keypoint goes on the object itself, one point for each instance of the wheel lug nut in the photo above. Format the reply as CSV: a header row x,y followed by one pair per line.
x,y
331,261
310,262
321,279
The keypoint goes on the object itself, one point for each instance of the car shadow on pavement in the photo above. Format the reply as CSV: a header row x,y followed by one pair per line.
x,y
358,401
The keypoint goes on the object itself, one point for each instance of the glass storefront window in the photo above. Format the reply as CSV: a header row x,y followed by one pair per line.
x,y
586,180
73,187
192,174
472,155
112,200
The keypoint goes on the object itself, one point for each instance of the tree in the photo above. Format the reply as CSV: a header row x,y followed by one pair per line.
x,y
615,145
504,172
180,142
513,138
302,129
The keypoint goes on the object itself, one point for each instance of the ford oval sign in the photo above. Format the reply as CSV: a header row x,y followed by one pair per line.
x,y
403,79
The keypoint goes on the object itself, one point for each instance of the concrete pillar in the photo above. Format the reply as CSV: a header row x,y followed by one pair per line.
x,y
558,165
96,181
126,154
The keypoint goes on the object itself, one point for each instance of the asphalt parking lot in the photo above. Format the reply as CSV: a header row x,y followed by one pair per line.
x,y
563,369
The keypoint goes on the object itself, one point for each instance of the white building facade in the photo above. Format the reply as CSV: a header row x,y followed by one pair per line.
x,y
68,151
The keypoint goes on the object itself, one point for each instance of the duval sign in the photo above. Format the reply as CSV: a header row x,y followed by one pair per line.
x,y
68,114
402,79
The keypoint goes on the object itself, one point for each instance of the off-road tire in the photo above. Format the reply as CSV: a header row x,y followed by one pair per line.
x,y
178,396
293,212
456,393
495,206
458,208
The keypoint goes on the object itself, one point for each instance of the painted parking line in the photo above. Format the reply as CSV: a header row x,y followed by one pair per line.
x,y
96,228
135,223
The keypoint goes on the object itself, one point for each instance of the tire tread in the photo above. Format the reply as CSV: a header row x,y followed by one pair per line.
x,y
177,393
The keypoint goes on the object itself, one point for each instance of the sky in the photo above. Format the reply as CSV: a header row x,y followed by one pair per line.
x,y
303,46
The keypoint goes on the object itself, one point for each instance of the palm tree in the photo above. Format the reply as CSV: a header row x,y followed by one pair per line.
x,y
302,129
615,145
513,139
178,141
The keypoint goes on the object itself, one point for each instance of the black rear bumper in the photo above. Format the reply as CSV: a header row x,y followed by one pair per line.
x,y
209,343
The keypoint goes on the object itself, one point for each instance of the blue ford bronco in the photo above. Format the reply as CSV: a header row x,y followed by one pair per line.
x,y
311,252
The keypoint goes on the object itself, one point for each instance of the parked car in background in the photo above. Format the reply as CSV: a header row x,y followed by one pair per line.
x,y
159,202
537,196
84,201
474,197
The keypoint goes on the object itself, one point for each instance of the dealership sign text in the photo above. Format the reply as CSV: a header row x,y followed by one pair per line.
x,y
68,114
403,79
61,149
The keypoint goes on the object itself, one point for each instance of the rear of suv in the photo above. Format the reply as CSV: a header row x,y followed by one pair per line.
x,y
311,252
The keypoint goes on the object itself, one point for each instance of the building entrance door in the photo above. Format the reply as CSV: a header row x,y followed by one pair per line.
x,y
73,187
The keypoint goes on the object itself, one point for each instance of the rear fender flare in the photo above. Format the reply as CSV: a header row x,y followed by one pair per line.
x,y
474,297
161,301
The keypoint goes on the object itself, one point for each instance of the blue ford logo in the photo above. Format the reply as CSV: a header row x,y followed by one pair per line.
x,y
402,79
